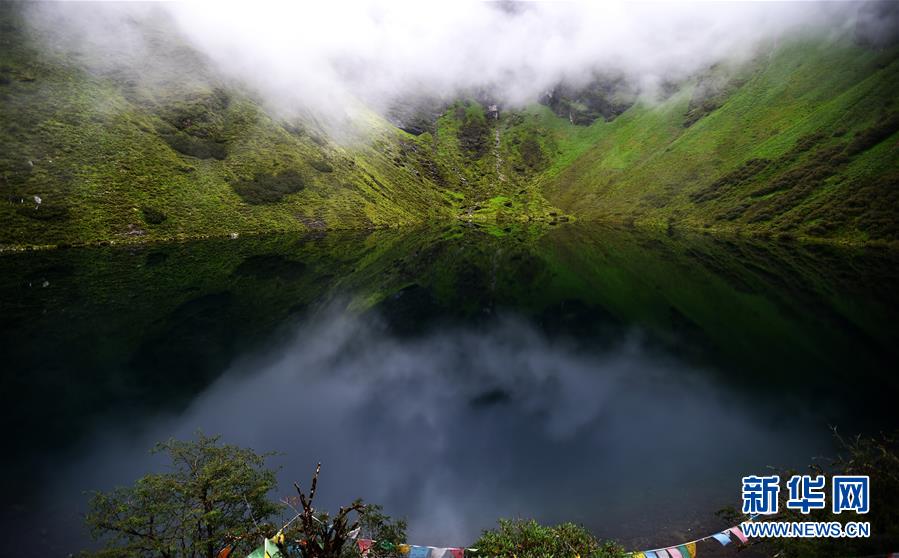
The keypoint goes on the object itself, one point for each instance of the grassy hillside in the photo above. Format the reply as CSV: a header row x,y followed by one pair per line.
x,y
801,141
117,155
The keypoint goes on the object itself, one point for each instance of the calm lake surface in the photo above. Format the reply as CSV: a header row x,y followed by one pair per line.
x,y
621,379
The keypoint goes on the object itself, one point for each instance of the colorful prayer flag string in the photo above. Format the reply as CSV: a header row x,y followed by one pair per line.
x,y
688,549
683,550
413,550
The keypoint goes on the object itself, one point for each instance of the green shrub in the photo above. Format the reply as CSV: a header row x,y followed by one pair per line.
x,y
46,212
198,115
201,148
322,166
474,133
743,174
803,144
873,135
532,154
194,126
270,188
153,216
528,539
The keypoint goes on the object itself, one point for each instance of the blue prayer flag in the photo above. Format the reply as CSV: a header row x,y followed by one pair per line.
x,y
723,538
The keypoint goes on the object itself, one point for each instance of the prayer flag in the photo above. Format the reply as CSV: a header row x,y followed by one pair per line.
x,y
688,550
736,531
457,552
404,548
271,549
364,545
419,552
723,538
674,553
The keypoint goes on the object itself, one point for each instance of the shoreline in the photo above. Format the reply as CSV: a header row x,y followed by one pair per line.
x,y
739,234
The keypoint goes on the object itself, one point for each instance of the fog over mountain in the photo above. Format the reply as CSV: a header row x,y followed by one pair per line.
x,y
321,56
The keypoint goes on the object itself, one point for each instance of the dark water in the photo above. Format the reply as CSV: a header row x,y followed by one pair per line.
x,y
620,379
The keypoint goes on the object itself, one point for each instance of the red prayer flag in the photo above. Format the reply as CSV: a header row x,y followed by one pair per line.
x,y
736,531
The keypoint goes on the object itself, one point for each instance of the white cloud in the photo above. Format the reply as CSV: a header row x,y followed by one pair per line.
x,y
321,55
375,50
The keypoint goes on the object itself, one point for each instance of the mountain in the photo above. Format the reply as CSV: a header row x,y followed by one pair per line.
x,y
800,140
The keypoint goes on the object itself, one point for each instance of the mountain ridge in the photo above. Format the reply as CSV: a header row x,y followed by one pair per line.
x,y
798,142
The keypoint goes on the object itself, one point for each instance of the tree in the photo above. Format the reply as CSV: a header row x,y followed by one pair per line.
x,y
528,539
378,526
213,495
318,534
314,534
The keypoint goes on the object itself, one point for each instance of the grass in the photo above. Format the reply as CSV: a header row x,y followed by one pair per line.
x,y
202,153
808,132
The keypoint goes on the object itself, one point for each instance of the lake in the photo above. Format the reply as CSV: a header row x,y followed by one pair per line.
x,y
621,379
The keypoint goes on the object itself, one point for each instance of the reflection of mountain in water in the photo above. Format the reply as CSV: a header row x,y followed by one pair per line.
x,y
567,334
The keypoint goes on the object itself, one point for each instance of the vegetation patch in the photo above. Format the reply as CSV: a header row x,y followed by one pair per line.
x,y
194,127
201,148
44,212
153,216
270,188
322,166
531,154
529,539
872,206
745,173
474,132
872,136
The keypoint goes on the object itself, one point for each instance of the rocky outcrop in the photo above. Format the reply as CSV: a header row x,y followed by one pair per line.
x,y
605,96
416,115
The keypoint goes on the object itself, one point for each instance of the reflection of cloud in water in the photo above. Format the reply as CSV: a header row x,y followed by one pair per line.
x,y
457,428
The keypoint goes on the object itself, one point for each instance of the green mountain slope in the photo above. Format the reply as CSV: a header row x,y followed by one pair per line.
x,y
116,155
804,141
801,140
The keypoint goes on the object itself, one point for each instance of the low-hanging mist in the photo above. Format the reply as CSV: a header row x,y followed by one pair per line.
x,y
325,56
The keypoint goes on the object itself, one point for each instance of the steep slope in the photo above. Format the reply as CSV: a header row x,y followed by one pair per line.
x,y
487,161
125,153
802,140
